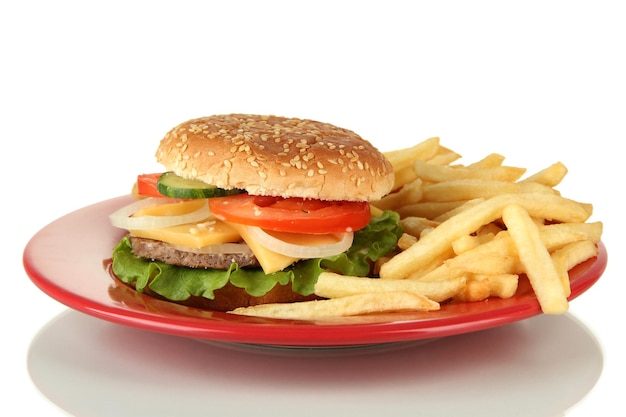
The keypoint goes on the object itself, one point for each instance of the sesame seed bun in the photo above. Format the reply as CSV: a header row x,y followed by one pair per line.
x,y
277,156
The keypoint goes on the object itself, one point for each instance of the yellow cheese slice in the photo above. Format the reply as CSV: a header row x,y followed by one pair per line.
x,y
270,261
375,212
194,235
304,239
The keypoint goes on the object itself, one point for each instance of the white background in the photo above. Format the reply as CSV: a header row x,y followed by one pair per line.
x,y
87,89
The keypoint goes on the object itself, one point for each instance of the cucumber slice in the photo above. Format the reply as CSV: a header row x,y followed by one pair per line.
x,y
172,185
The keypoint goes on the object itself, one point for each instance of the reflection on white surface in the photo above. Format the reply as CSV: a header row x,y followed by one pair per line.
x,y
539,367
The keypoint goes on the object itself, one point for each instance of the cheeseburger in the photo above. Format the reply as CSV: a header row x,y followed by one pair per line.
x,y
251,209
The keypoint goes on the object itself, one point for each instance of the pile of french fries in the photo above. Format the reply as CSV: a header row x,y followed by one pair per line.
x,y
470,231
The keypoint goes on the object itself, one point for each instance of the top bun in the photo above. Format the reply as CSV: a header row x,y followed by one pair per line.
x,y
277,156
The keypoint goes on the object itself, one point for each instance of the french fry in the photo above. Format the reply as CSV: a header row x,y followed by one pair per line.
x,y
467,189
551,176
490,229
409,193
475,290
352,305
428,209
490,161
444,157
403,176
535,187
470,203
571,255
536,260
331,285
416,225
468,242
428,172
503,285
402,158
592,231
482,286
406,240
490,264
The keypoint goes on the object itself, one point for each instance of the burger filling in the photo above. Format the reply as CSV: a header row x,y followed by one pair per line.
x,y
180,248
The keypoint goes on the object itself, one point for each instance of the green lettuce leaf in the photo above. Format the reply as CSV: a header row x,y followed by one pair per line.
x,y
374,241
178,283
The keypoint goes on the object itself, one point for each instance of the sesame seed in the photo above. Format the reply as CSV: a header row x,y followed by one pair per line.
x,y
206,224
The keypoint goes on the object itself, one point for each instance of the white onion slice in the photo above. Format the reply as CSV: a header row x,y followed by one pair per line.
x,y
122,217
229,248
341,242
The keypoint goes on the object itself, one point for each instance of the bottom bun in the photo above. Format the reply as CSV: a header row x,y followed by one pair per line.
x,y
231,297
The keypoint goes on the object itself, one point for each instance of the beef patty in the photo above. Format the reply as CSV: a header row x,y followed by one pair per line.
x,y
162,251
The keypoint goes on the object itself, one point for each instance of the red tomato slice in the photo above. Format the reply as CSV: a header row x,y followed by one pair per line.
x,y
294,215
147,185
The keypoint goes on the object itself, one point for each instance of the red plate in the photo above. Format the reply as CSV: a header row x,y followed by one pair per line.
x,y
68,260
